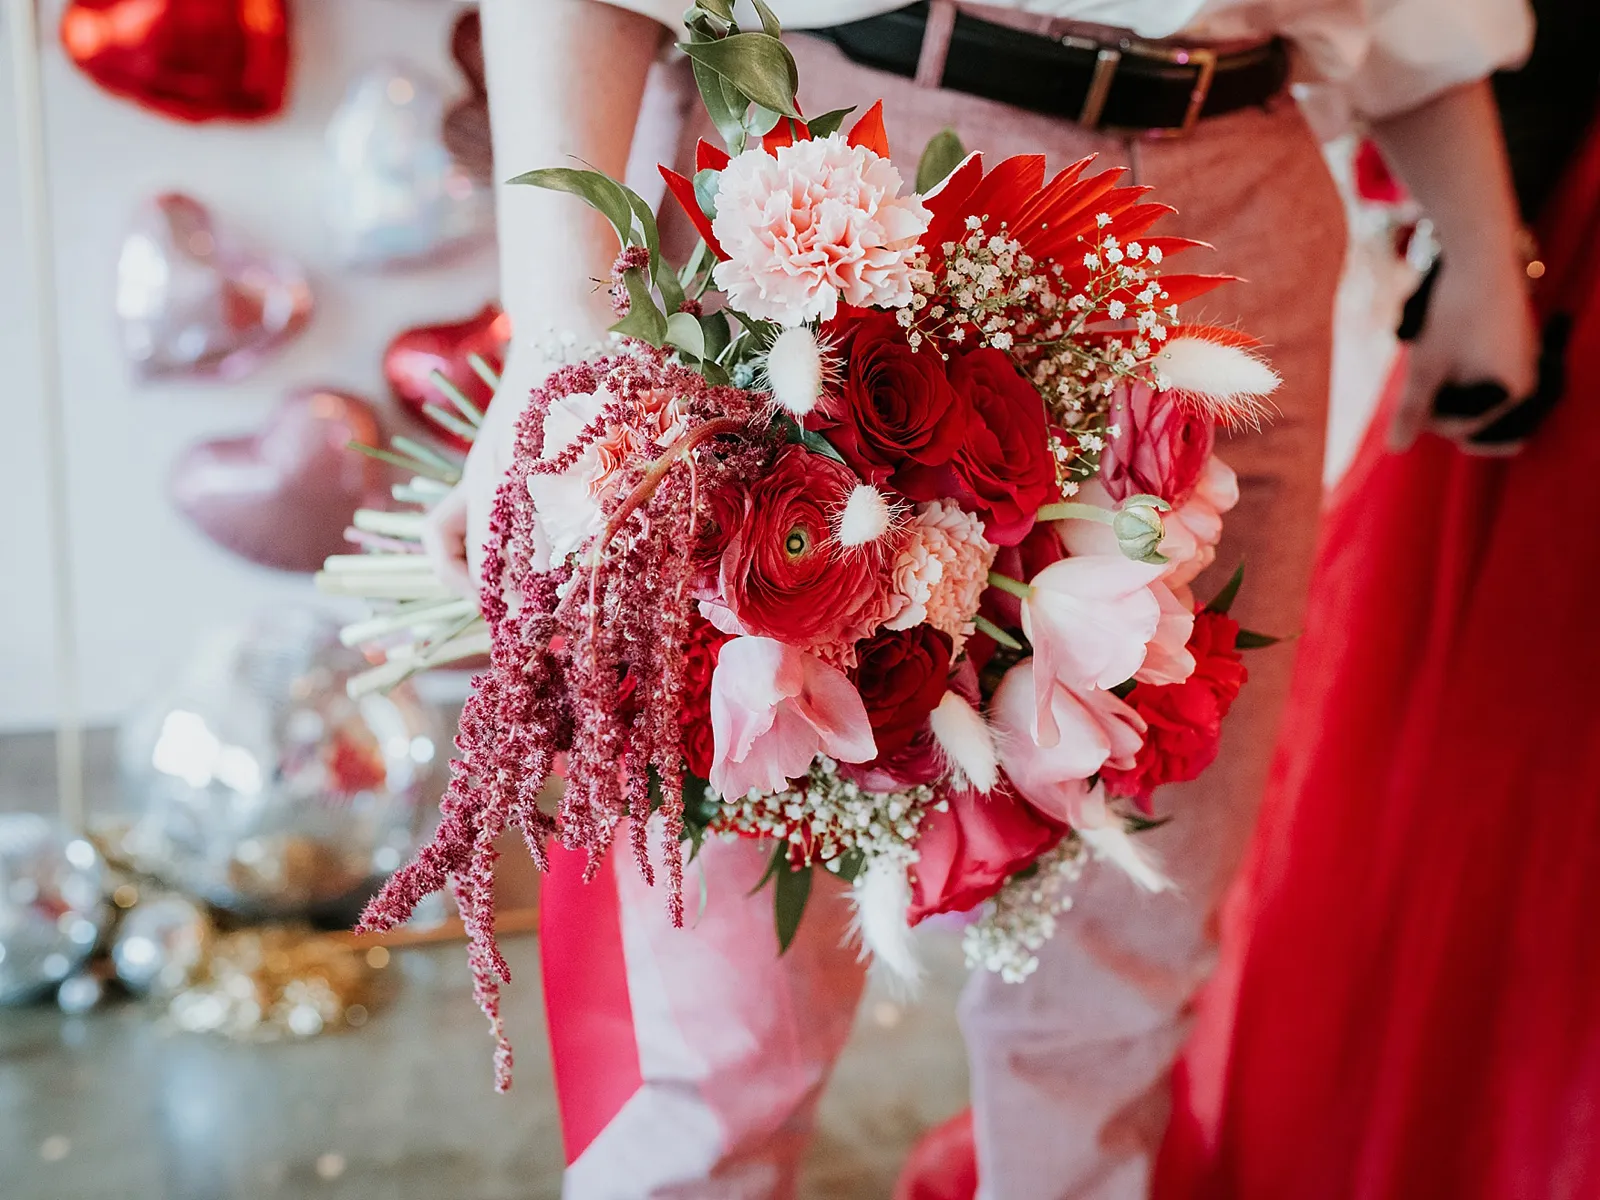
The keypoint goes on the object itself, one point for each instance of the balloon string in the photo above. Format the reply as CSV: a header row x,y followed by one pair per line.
x,y
39,238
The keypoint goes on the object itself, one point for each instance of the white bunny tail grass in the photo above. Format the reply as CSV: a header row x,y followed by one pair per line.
x,y
965,738
1215,371
867,515
881,895
796,370
1113,843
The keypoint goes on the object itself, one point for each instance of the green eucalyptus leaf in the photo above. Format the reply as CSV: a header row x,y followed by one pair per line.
x,y
942,155
684,332
601,192
706,182
714,374
721,9
756,64
717,334
644,320
828,122
761,121
790,892
1224,599
769,20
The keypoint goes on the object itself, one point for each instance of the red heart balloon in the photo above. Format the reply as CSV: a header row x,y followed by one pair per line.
x,y
196,60
283,497
414,355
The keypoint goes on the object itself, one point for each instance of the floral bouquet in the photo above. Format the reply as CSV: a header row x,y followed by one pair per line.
x,y
871,533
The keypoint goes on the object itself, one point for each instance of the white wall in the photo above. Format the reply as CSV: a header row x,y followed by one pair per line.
x,y
146,582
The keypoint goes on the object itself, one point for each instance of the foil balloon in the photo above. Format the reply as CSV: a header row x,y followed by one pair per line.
x,y
256,784
52,905
283,497
466,124
193,300
161,944
412,357
395,195
196,60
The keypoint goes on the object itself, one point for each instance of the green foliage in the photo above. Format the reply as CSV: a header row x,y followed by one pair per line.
x,y
942,155
828,122
813,441
1249,639
644,320
1224,599
756,66
791,891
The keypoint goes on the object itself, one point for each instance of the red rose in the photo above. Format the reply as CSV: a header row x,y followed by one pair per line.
x,y
896,419
1185,719
920,761
967,852
783,574
1005,462
1161,448
901,675
700,661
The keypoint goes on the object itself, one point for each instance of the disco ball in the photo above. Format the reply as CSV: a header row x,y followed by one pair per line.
x,y
258,785
52,904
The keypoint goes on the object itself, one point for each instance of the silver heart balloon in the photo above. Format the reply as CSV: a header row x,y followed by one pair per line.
x,y
395,195
194,299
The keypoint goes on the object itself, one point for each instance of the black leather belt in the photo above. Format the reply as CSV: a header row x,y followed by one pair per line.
x,y
1122,84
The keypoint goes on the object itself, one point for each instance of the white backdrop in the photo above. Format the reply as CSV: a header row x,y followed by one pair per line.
x,y
147,582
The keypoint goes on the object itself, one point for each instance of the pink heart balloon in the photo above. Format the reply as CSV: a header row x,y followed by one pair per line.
x,y
195,300
283,497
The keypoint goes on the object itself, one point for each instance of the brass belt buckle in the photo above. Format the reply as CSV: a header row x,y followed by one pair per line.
x,y
1109,58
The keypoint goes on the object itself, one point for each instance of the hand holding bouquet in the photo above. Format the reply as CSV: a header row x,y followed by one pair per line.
x,y
871,534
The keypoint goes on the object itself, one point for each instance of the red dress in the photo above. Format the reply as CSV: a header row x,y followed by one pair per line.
x,y
1409,999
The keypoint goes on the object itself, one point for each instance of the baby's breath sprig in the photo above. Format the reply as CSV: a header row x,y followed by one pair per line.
x,y
1077,341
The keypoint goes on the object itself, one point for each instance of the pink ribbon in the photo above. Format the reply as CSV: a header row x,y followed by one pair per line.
x,y
593,1049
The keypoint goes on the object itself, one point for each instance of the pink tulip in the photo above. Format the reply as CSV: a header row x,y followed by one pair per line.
x,y
1167,658
1195,527
1093,730
1089,619
773,710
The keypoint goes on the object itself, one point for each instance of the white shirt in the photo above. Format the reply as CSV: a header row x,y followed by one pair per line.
x,y
1390,55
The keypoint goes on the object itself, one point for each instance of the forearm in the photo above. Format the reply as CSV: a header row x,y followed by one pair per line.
x,y
1451,155
565,78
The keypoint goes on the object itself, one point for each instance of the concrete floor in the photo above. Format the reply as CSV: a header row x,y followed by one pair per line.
x,y
118,1106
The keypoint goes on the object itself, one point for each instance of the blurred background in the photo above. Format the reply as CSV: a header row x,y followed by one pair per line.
x,y
269,229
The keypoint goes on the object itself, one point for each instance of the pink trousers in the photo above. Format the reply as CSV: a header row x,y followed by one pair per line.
x,y
1070,1069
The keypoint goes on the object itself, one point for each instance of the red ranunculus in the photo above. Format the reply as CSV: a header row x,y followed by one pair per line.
x,y
895,419
966,852
1161,447
901,675
1185,719
700,661
784,575
1005,462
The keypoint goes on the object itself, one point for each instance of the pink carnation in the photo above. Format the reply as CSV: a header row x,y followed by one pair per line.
x,y
817,223
943,570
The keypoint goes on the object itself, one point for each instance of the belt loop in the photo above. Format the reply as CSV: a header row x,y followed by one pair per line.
x,y
936,34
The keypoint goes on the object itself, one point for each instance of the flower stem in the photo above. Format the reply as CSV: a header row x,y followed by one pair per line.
x,y
984,625
1068,510
1007,584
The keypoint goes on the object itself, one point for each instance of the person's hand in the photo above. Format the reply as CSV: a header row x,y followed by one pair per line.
x,y
457,528
1479,333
